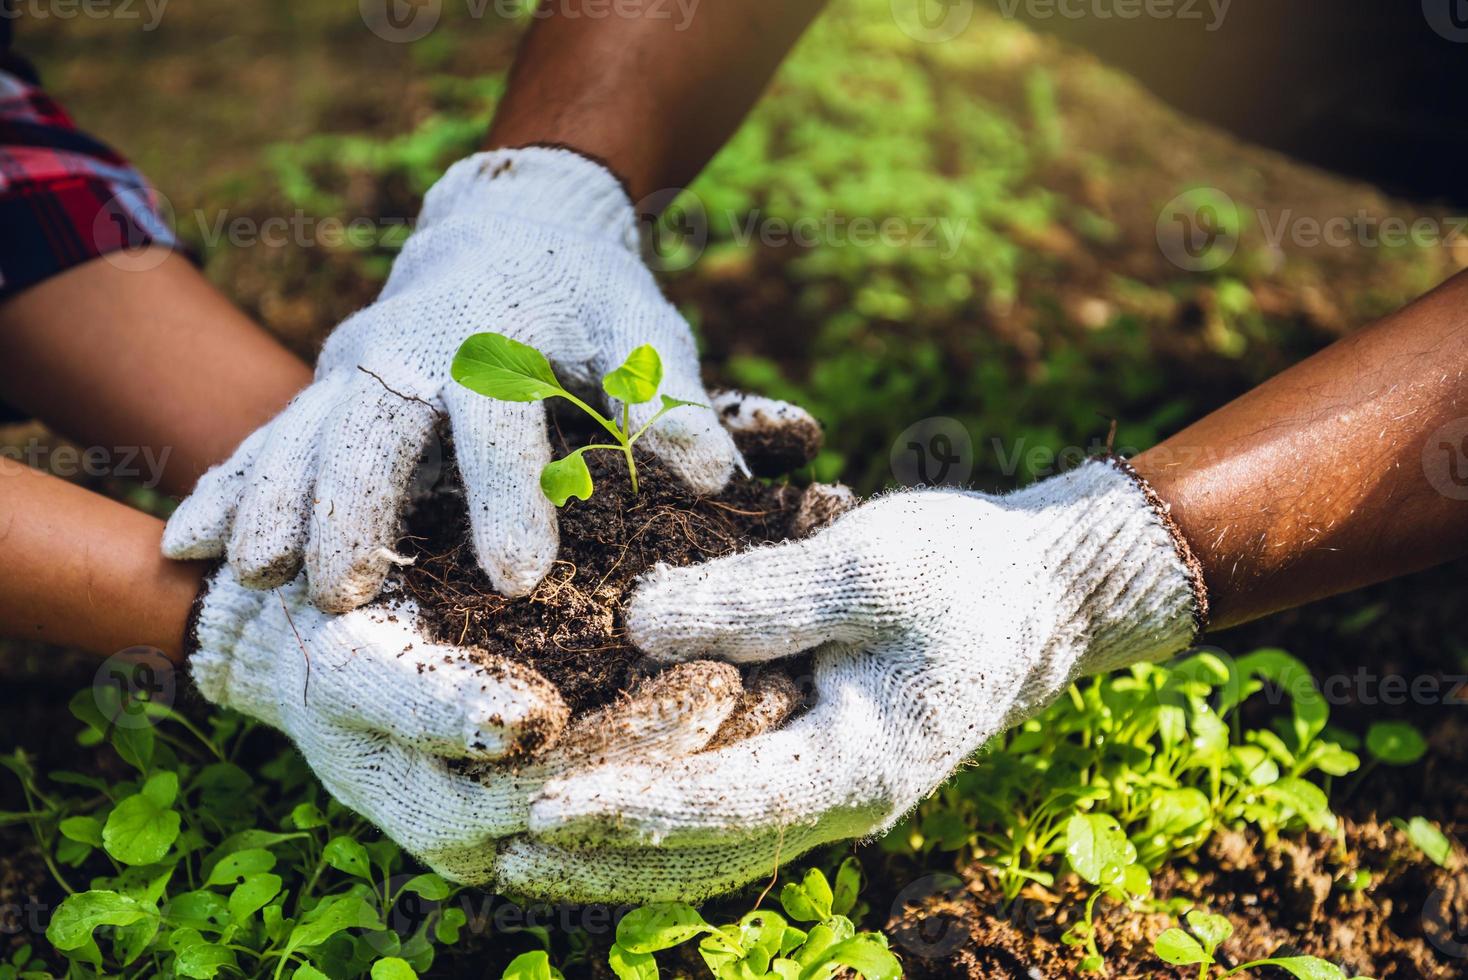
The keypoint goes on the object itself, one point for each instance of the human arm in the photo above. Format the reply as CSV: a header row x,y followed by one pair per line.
x,y
653,95
941,618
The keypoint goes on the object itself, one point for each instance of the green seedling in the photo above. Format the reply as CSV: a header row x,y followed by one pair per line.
x,y
1205,932
763,945
498,367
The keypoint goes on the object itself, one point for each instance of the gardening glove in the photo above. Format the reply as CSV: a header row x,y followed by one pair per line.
x,y
441,748
940,618
537,244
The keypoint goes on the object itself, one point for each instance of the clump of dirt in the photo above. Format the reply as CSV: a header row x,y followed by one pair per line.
x,y
570,627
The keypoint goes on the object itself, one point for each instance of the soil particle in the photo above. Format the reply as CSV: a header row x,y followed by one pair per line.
x,y
570,627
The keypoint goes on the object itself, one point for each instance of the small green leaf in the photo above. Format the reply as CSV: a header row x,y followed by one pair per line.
x,y
1180,949
637,380
449,924
866,956
848,886
1397,743
307,816
251,895
1334,760
334,914
196,957
235,866
72,924
1308,968
142,828
429,886
1211,929
308,972
810,900
1428,839
1305,799
628,965
670,403
1097,848
565,478
345,854
393,968
659,926
494,365
534,965
84,830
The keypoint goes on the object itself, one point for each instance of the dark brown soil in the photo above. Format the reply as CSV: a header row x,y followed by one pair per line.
x,y
1280,897
570,628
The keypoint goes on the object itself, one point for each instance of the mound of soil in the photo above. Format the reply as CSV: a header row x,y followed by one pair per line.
x,y
570,627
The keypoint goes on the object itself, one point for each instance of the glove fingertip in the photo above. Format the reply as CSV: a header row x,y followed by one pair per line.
x,y
341,590
517,559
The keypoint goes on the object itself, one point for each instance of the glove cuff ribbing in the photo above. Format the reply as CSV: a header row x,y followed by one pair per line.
x,y
544,184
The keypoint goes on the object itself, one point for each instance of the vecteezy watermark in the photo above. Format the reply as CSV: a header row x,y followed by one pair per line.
x,y
143,464
148,12
933,452
929,937
932,21
406,21
1199,229
1360,230
1449,18
1210,13
676,230
129,682
1445,918
1445,459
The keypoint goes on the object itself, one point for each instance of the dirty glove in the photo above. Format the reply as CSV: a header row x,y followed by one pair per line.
x,y
441,749
941,618
538,244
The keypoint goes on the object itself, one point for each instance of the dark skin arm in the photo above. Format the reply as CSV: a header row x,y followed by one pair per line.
x,y
654,96
115,359
1327,477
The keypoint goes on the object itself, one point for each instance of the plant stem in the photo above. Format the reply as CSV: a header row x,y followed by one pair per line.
x,y
631,466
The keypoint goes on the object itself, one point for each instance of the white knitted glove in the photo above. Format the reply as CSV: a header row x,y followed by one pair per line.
x,y
941,618
537,244
427,742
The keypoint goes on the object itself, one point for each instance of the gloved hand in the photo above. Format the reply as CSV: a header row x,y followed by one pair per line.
x,y
941,618
537,244
442,748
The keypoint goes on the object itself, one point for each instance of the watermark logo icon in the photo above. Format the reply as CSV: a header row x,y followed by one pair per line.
x,y
675,229
1445,459
931,937
131,680
130,221
1198,231
932,21
400,21
935,452
1449,18
1445,919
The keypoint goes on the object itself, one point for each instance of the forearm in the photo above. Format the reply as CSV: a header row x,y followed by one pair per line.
x,y
655,95
1329,476
154,359
80,569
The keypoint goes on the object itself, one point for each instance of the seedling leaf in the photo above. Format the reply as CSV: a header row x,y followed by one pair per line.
x,y
628,965
1180,949
393,968
1211,929
637,380
143,827
565,478
659,926
1397,743
534,965
494,365
1428,839
810,900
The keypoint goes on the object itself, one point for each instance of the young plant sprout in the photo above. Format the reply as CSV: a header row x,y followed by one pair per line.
x,y
493,365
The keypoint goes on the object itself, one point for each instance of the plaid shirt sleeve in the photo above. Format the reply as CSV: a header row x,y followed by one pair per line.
x,y
65,198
